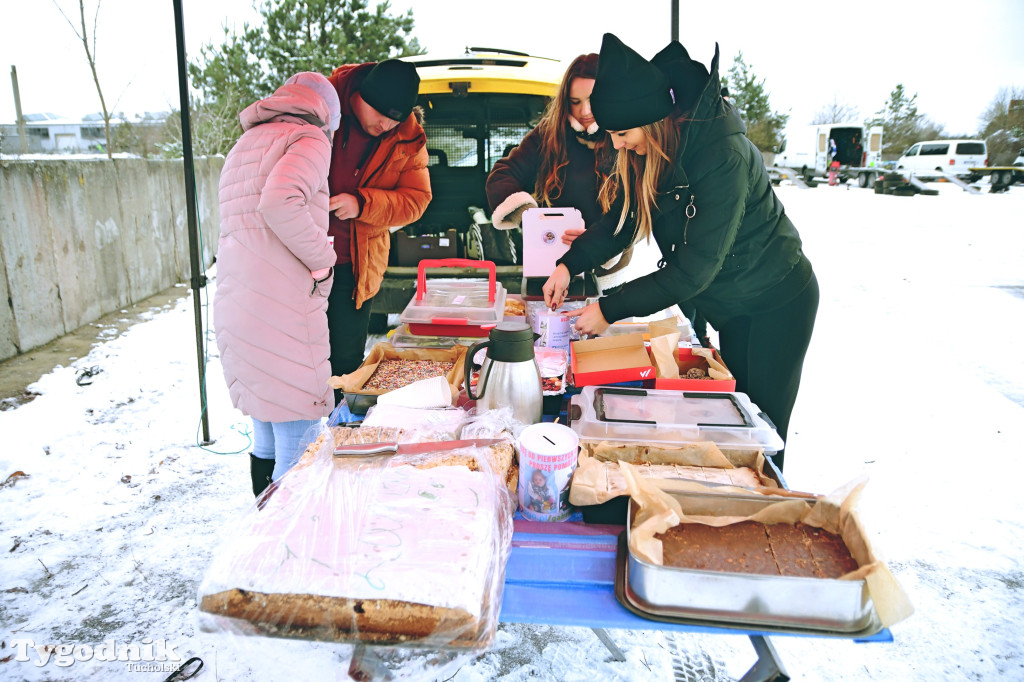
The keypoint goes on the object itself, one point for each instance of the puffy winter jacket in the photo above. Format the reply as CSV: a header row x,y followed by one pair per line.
x,y
394,192
736,253
270,320
513,179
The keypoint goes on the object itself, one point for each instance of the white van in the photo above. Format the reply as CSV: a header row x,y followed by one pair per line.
x,y
806,150
948,156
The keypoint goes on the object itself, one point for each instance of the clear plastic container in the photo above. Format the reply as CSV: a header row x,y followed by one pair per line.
x,y
629,415
401,337
459,307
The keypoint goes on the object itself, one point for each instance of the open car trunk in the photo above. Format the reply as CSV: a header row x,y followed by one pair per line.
x,y
465,136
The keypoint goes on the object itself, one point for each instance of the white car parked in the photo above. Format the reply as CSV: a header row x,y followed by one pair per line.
x,y
947,156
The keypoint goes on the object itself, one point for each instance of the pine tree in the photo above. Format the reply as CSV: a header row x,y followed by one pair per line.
x,y
295,35
903,125
748,95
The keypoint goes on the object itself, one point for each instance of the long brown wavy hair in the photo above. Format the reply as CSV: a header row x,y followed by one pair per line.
x,y
555,135
638,177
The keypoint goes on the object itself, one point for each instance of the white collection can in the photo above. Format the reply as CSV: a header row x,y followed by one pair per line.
x,y
554,328
547,459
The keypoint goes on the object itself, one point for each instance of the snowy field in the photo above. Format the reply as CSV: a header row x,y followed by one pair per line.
x,y
915,377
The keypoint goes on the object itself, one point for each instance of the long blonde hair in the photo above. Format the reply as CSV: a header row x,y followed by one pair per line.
x,y
638,177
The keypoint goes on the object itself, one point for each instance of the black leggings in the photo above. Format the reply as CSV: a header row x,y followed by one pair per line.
x,y
347,325
765,352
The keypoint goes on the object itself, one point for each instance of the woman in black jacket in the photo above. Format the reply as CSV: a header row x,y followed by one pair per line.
x,y
687,175
562,162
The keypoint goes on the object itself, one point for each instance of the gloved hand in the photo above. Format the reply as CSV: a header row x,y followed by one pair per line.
x,y
508,215
515,216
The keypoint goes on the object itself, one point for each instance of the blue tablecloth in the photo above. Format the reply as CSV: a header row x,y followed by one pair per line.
x,y
564,574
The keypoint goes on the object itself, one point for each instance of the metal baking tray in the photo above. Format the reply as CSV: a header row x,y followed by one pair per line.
x,y
625,595
813,604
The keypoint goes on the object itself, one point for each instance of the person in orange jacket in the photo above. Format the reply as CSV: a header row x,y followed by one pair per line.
x,y
378,181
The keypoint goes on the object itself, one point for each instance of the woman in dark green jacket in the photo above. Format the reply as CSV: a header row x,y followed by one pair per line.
x,y
687,175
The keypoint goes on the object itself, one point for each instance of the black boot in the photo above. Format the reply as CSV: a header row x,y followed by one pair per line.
x,y
261,470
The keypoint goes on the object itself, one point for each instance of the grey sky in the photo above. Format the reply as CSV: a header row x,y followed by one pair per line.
x,y
955,55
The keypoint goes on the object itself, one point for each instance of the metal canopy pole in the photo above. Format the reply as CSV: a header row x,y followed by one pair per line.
x,y
198,278
675,19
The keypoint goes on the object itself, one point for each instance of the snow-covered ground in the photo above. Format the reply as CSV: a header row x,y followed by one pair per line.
x,y
915,376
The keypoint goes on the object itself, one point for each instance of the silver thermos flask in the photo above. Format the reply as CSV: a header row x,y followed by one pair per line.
x,y
509,376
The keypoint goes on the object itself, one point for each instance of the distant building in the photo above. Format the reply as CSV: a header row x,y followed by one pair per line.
x,y
49,133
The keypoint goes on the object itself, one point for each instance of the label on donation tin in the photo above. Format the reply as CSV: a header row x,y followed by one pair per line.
x,y
554,328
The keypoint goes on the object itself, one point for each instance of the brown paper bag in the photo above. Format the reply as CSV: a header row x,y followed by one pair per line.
x,y
664,347
716,370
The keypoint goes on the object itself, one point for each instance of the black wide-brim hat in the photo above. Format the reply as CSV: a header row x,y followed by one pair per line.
x,y
629,91
391,88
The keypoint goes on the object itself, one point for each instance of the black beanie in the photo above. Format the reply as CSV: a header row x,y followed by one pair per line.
x,y
391,88
629,91
687,77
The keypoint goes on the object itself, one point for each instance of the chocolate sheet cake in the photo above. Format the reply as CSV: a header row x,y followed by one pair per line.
x,y
751,547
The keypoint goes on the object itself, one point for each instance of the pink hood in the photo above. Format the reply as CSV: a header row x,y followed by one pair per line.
x,y
287,101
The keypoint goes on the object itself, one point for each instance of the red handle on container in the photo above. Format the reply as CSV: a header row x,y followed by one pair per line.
x,y
421,273
462,320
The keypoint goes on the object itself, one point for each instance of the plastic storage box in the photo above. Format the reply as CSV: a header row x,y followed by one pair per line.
x,y
457,308
730,420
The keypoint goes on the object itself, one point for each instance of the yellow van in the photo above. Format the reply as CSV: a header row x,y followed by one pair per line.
x,y
478,105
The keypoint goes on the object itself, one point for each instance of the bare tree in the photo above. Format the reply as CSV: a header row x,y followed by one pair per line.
x,y
90,54
836,112
214,128
1003,125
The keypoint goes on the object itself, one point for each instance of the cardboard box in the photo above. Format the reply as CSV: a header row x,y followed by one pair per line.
x,y
610,360
687,358
410,249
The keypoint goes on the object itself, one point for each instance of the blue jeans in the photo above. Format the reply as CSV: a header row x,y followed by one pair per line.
x,y
283,442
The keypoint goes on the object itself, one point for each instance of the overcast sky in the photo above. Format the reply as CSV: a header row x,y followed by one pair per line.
x,y
956,56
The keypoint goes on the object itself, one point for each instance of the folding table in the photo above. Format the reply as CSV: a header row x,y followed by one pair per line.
x,y
564,574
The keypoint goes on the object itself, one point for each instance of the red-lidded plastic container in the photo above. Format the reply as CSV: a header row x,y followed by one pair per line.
x,y
455,307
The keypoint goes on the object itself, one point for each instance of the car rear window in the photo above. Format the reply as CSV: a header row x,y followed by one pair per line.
x,y
970,148
934,149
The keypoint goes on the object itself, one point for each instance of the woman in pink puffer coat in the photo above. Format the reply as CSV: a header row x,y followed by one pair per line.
x,y
274,270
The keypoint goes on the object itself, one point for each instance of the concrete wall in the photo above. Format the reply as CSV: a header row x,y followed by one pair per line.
x,y
83,238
